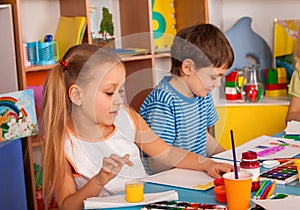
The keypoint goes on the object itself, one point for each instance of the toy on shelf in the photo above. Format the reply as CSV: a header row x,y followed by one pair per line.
x,y
43,52
231,91
275,82
38,176
252,88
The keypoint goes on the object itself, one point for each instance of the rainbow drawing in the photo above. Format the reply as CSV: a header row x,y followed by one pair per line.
x,y
17,115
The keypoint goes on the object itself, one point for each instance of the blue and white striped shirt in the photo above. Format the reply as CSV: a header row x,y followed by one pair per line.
x,y
178,120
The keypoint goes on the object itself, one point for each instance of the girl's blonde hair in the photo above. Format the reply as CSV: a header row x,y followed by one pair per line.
x,y
57,106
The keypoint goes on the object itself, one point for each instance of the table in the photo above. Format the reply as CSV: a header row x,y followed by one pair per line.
x,y
207,196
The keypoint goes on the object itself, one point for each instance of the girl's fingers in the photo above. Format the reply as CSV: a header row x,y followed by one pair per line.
x,y
113,163
122,160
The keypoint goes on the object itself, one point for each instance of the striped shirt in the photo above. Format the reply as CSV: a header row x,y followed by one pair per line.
x,y
178,120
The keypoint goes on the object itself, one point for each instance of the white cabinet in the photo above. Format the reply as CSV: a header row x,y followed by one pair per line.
x,y
8,70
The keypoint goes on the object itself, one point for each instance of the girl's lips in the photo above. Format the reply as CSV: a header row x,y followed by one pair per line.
x,y
114,113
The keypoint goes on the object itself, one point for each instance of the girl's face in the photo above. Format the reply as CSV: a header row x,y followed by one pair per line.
x,y
109,96
205,80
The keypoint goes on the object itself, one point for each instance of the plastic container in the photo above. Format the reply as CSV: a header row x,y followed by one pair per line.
x,y
134,191
45,53
251,165
220,190
219,181
42,53
220,194
32,52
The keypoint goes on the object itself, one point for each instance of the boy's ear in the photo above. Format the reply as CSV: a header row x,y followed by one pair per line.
x,y
187,66
75,94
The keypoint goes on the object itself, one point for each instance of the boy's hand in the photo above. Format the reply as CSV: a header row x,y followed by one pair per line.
x,y
216,170
111,167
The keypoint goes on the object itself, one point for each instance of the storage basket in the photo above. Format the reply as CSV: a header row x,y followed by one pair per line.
x,y
31,50
42,53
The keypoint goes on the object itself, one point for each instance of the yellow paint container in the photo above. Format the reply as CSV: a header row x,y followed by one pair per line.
x,y
134,191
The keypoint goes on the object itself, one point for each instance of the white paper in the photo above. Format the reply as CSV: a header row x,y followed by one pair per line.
x,y
197,180
292,128
119,200
290,202
292,149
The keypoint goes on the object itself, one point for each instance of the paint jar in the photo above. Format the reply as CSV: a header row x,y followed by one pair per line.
x,y
251,165
219,190
134,191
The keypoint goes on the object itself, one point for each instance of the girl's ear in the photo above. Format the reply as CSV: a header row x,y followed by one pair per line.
x,y
75,94
187,67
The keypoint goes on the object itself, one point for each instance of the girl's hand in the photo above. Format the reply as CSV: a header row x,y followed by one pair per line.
x,y
111,167
216,170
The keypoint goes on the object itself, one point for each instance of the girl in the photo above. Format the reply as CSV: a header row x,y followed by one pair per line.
x,y
93,141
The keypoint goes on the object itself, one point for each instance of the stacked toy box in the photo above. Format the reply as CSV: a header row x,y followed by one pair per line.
x,y
231,91
275,82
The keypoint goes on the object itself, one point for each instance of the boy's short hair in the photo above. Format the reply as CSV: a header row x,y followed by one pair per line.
x,y
203,43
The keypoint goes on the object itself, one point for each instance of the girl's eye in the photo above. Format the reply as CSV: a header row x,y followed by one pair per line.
x,y
109,93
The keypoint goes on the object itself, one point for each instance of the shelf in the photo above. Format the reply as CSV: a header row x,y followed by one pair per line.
x,y
265,101
136,57
39,68
162,55
35,141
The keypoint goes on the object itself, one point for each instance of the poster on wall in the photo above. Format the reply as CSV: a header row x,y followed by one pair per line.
x,y
164,24
104,19
285,44
17,115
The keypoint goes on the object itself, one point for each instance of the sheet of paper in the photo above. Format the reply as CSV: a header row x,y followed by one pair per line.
x,y
197,180
289,148
119,200
292,128
290,202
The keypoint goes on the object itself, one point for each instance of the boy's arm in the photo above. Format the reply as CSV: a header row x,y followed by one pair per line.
x,y
212,146
166,156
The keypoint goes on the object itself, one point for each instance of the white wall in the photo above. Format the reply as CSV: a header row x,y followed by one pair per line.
x,y
225,13
38,18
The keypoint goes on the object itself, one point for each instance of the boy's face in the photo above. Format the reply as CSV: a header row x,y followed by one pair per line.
x,y
206,79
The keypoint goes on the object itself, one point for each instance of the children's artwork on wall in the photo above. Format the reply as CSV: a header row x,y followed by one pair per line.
x,y
102,20
285,44
17,115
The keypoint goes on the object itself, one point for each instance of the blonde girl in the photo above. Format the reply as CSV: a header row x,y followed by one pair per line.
x,y
92,141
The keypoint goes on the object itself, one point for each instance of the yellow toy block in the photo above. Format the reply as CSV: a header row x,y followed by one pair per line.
x,y
281,72
275,93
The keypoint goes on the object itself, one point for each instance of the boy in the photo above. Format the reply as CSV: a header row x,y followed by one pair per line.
x,y
180,109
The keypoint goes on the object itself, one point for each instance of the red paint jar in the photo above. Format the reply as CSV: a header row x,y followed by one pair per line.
x,y
220,190
220,194
251,165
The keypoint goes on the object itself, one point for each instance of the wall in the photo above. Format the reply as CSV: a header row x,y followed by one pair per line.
x,y
39,18
225,13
